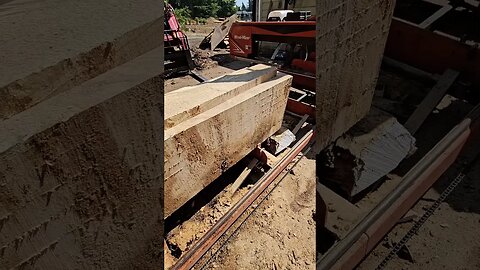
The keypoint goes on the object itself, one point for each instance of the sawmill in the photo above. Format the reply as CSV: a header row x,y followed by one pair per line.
x,y
349,138
302,134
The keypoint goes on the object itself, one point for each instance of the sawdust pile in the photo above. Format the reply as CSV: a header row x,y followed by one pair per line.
x,y
205,59
202,59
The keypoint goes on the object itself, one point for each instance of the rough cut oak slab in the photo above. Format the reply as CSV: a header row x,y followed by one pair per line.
x,y
187,102
199,149
80,175
367,152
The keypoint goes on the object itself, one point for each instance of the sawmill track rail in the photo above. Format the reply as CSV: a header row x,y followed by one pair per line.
x,y
350,251
204,244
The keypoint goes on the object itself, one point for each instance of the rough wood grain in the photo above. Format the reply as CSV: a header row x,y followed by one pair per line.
x,y
47,47
199,149
80,175
433,97
188,102
350,41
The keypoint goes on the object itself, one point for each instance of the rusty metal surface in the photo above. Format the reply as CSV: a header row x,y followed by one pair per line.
x,y
208,240
375,233
354,255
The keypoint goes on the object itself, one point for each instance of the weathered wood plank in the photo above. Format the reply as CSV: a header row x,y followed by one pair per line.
x,y
241,178
221,31
435,16
339,210
433,97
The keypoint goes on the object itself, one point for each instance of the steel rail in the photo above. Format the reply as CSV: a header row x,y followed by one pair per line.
x,y
284,174
438,152
188,260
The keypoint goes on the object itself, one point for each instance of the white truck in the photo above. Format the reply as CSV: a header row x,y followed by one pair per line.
x,y
278,15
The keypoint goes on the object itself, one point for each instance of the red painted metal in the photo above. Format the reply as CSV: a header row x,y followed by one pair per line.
x,y
243,34
300,108
433,52
301,80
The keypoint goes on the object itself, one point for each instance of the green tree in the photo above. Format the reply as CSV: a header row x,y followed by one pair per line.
x,y
227,8
205,8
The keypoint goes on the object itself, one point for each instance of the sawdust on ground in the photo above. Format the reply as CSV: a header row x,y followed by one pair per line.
x,y
188,233
280,234
449,239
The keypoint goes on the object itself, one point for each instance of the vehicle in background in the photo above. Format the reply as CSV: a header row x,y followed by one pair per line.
x,y
245,16
288,15
278,15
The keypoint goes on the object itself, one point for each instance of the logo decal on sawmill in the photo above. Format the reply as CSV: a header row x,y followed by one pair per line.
x,y
241,37
236,48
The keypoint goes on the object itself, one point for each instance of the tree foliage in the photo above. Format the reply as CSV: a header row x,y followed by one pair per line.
x,y
205,8
227,8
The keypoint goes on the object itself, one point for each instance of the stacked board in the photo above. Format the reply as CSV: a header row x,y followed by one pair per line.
x,y
210,127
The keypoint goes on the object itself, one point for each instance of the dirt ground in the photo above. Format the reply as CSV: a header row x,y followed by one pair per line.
x,y
280,234
184,236
449,239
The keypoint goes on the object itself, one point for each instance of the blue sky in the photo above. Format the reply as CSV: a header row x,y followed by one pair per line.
x,y
239,2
